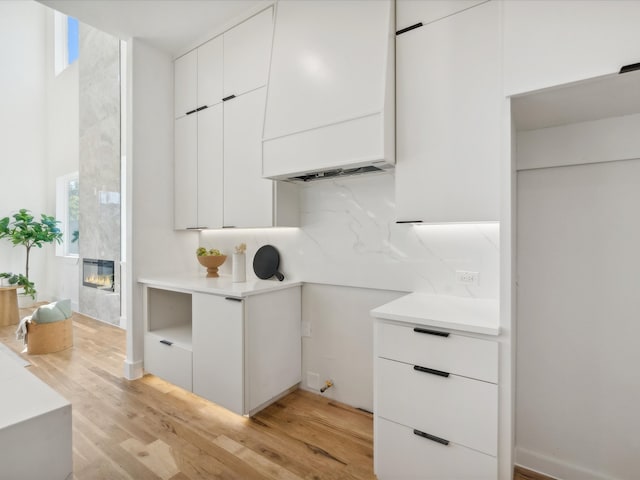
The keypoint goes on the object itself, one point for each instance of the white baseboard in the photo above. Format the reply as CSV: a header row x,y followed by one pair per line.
x,y
133,371
556,468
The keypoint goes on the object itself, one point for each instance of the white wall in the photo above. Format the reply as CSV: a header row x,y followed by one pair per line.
x,y
62,158
22,125
578,302
152,244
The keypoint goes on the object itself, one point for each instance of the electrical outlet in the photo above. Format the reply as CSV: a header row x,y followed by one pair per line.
x,y
467,278
306,329
313,380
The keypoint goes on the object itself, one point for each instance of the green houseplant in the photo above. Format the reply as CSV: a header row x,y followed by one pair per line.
x,y
22,229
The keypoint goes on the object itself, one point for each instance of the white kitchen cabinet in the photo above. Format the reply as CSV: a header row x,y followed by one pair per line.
x,y
241,351
435,389
248,198
330,87
411,12
549,43
449,118
247,49
198,78
198,169
218,350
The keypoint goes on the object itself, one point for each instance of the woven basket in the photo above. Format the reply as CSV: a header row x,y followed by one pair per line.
x,y
49,337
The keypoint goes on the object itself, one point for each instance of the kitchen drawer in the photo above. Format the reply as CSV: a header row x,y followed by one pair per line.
x,y
466,356
459,409
402,455
172,363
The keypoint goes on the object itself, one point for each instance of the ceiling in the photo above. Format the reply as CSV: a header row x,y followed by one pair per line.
x,y
174,26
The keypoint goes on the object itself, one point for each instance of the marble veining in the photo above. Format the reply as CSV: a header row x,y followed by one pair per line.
x,y
348,236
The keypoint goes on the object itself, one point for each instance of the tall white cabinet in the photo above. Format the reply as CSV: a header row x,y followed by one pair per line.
x,y
448,114
219,107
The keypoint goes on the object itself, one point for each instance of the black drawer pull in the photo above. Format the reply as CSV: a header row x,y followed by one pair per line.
x,y
233,299
192,111
440,373
431,332
630,68
228,98
428,436
408,29
202,108
166,342
408,221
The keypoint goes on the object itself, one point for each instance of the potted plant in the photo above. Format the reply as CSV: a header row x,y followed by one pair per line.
x,y
22,229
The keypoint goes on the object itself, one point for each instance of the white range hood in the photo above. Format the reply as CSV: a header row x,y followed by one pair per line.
x,y
330,100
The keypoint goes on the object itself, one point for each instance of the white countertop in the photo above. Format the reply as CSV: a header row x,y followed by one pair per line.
x,y
24,396
221,285
455,313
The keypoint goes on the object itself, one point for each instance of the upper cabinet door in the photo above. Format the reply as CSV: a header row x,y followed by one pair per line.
x,y
449,118
548,43
185,173
410,12
210,170
210,73
247,49
186,84
248,198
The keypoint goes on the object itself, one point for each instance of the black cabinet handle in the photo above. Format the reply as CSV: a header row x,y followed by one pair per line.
x,y
166,342
192,111
431,332
196,228
228,98
228,226
233,299
408,221
630,68
428,436
407,29
202,108
432,371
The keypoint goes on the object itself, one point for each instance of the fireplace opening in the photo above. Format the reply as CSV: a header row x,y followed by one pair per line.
x,y
98,273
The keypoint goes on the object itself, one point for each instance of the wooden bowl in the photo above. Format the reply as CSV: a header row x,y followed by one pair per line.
x,y
212,262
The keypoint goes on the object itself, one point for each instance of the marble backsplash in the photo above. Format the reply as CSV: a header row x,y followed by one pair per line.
x,y
348,236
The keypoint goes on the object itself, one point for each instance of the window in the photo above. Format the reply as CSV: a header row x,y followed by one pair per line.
x,y
68,213
66,41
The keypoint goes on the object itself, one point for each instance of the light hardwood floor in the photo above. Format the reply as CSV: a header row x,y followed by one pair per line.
x,y
150,429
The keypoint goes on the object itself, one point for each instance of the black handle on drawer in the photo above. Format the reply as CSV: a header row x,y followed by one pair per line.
x,y
440,373
233,299
409,28
431,332
428,436
166,342
228,98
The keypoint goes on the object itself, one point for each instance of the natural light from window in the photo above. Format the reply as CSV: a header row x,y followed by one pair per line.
x,y
66,44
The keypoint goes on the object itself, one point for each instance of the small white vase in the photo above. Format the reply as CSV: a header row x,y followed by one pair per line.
x,y
238,268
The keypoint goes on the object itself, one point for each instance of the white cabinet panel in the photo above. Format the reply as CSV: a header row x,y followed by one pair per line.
x,y
186,84
210,171
247,49
449,118
459,409
248,198
274,345
410,12
210,72
549,43
411,457
186,172
471,357
218,350
171,362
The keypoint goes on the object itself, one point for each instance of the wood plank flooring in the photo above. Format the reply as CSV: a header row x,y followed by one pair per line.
x,y
149,429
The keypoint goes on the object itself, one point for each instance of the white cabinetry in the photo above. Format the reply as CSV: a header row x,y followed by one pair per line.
x,y
218,134
239,352
548,43
449,118
436,404
330,87
411,12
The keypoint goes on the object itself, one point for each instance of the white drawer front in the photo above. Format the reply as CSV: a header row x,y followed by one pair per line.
x,y
399,454
466,356
171,363
458,409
